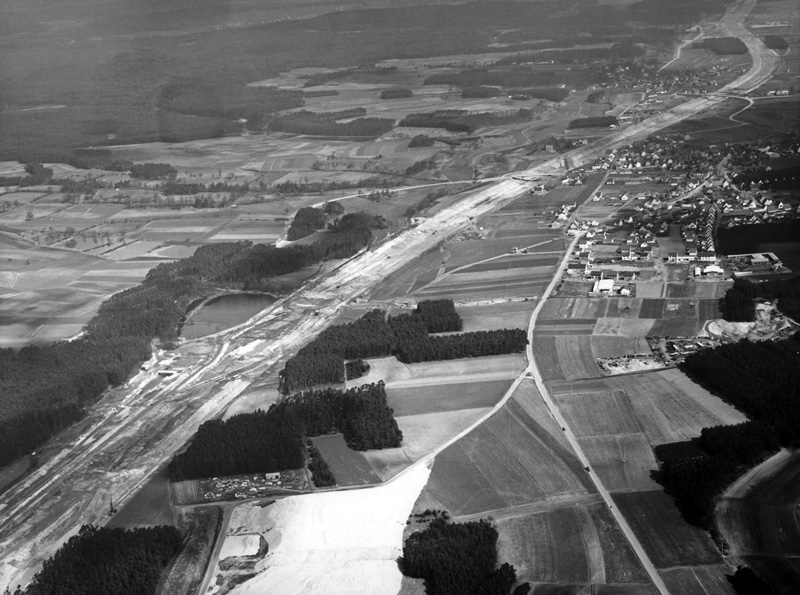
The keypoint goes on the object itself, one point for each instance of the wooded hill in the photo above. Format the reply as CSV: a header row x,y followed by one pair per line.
x,y
760,379
265,442
43,389
101,561
457,558
406,336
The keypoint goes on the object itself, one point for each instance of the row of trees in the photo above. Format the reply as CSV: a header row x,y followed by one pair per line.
x,y
406,336
153,171
763,381
99,561
457,558
265,442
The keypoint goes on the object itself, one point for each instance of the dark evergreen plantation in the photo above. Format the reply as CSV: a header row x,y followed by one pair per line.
x,y
45,389
101,561
763,381
306,221
406,336
457,558
274,440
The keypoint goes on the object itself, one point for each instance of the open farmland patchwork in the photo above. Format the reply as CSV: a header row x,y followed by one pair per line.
x,y
509,460
576,545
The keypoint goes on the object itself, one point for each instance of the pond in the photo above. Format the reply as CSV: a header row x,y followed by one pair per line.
x,y
225,312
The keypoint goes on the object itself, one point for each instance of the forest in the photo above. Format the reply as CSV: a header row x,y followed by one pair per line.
x,y
724,45
763,381
462,121
265,442
325,124
744,239
43,389
406,336
457,558
101,561
594,122
776,42
306,221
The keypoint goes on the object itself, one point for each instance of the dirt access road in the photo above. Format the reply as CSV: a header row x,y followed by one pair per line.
x,y
118,452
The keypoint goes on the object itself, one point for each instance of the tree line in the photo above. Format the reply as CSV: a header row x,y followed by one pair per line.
x,y
100,560
594,122
457,558
407,336
265,442
763,381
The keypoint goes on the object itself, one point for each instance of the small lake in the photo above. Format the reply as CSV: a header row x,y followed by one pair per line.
x,y
225,312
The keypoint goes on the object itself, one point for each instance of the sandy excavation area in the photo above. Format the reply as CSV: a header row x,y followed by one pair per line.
x,y
343,542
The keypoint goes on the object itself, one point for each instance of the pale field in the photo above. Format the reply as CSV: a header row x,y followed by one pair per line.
x,y
444,371
235,546
624,327
615,346
649,289
487,291
319,544
496,316
575,357
422,434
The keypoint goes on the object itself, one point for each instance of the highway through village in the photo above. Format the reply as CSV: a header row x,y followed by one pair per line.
x,y
135,429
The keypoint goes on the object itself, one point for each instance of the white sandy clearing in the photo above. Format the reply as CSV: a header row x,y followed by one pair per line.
x,y
343,542
240,545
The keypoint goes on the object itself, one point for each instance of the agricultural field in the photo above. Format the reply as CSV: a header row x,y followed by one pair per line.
x,y
460,393
575,357
757,516
349,466
665,406
150,506
668,540
572,545
509,460
699,580
50,294
422,434
496,316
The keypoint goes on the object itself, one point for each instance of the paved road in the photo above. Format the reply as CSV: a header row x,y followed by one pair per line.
x,y
149,422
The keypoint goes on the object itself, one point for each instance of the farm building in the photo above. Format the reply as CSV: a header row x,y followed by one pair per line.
x,y
603,286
